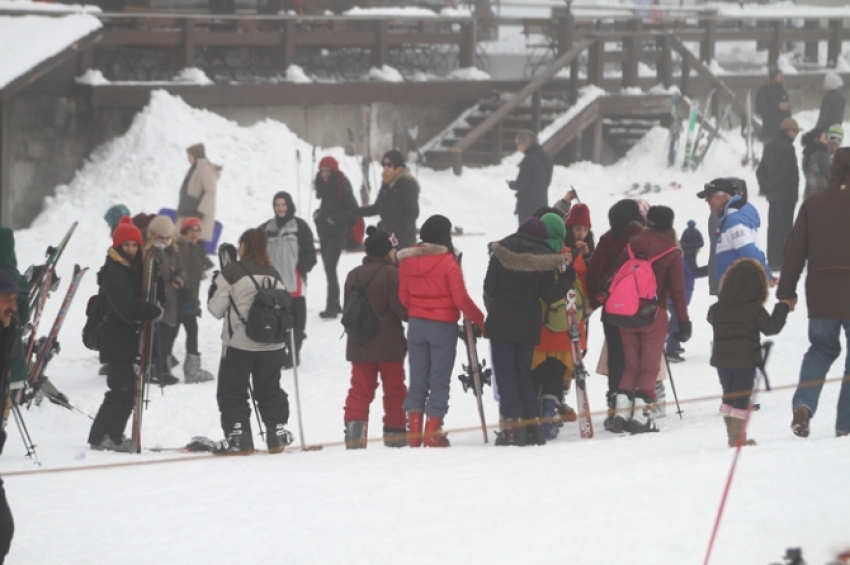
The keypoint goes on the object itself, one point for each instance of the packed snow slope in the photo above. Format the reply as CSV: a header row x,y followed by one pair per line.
x,y
643,500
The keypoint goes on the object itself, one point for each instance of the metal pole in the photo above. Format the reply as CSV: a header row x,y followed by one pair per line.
x,y
297,394
673,386
256,412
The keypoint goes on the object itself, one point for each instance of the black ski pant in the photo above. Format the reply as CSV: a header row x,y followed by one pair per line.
x,y
190,322
616,357
163,340
299,310
237,370
512,367
332,247
117,403
548,378
780,223
7,525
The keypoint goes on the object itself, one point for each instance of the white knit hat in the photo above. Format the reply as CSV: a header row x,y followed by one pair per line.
x,y
162,226
832,81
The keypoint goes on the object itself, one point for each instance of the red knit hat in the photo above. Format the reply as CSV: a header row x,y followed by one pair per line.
x,y
125,232
579,216
329,163
188,224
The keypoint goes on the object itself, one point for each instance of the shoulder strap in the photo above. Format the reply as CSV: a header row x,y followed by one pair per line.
x,y
372,277
631,253
662,254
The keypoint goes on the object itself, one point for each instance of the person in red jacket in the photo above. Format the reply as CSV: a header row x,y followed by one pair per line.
x,y
644,347
431,287
626,221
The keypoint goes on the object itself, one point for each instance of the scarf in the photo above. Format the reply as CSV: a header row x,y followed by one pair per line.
x,y
390,177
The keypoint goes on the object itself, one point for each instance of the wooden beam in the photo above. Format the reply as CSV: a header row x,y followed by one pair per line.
x,y
571,131
380,48
466,57
834,46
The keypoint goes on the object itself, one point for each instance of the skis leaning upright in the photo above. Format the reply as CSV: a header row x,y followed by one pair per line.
x,y
475,375
690,134
700,155
749,158
675,130
580,374
145,351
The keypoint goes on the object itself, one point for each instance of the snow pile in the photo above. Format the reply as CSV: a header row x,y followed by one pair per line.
x,y
192,75
785,65
296,74
47,7
92,77
468,73
384,74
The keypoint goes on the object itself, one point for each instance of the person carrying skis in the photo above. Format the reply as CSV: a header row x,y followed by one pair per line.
x,y
816,161
195,262
244,360
120,282
198,191
384,353
738,318
644,346
432,289
293,253
335,194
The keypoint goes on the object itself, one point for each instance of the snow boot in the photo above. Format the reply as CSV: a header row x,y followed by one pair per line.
x,y
192,371
106,444
622,413
414,429
800,423
641,421
331,311
434,436
278,437
566,413
611,399
511,433
356,434
236,442
735,426
549,407
534,434
659,407
395,437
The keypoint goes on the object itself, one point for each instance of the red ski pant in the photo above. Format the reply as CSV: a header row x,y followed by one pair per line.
x,y
364,383
644,348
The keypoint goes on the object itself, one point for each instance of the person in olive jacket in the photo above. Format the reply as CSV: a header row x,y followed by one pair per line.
x,y
397,203
377,278
120,281
738,318
779,181
523,270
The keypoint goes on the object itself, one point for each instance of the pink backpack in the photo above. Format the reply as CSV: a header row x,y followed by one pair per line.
x,y
633,293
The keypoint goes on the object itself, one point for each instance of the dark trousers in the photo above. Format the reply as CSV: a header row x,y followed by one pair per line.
x,y
163,340
237,370
364,383
331,250
780,222
512,367
7,525
548,378
117,404
299,307
616,356
189,322
737,382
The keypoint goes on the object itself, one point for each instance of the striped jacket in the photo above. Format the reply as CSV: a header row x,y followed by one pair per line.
x,y
737,235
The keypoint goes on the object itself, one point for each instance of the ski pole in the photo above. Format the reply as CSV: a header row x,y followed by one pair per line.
x,y
673,386
297,394
65,404
22,429
257,412
576,193
158,330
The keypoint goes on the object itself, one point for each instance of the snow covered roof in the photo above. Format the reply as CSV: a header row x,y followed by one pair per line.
x,y
27,41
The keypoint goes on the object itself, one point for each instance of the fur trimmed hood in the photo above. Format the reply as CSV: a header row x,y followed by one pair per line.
x,y
744,281
525,261
422,250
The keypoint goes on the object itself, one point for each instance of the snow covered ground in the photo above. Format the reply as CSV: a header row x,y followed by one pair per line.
x,y
641,500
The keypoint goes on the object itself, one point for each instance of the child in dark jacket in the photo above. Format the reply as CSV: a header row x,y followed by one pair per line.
x,y
691,242
738,318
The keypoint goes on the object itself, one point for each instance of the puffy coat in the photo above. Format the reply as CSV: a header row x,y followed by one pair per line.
x,y
523,270
121,294
198,195
195,262
777,173
389,343
234,286
397,205
605,258
291,248
737,235
738,318
532,182
431,285
335,196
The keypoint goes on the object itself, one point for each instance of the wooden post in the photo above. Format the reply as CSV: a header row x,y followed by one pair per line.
x,y
574,68
466,58
664,66
834,46
591,142
381,50
535,112
286,48
85,60
631,56
810,53
686,76
566,33
596,63
709,39
775,47
186,56
457,163
6,218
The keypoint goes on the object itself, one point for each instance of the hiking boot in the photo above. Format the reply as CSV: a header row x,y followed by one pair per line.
x,y
355,434
414,429
674,357
622,413
434,435
800,423
512,433
166,378
549,408
534,434
236,442
395,437
641,421
192,371
734,428
278,438
566,413
106,444
331,311
841,434
659,407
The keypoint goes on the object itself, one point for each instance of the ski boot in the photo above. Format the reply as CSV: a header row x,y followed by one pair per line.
x,y
414,429
106,444
534,434
622,413
641,421
549,408
192,371
236,442
395,437
278,438
172,361
674,357
355,434
434,436
511,433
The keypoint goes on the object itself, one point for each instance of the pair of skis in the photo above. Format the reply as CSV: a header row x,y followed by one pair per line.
x,y
749,159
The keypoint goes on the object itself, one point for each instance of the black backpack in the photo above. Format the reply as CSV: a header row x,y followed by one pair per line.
x,y
359,321
96,316
271,314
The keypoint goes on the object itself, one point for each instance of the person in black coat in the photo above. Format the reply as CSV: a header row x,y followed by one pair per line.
x,y
336,195
535,175
523,270
397,203
832,104
779,181
120,281
772,104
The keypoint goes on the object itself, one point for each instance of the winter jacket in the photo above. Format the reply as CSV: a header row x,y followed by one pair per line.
x,y
195,262
714,233
234,287
532,182
831,110
389,343
523,270
291,248
779,179
819,241
768,98
669,270
335,196
9,264
198,194
397,205
431,285
603,264
169,266
816,165
738,318
120,293
737,236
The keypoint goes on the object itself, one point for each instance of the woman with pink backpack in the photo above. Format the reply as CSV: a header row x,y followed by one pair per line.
x,y
651,271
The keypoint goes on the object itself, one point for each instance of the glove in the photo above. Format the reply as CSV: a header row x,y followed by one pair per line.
x,y
684,333
213,287
478,330
331,220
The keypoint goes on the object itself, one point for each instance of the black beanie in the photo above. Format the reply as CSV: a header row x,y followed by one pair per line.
x,y
377,242
436,229
395,157
660,218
